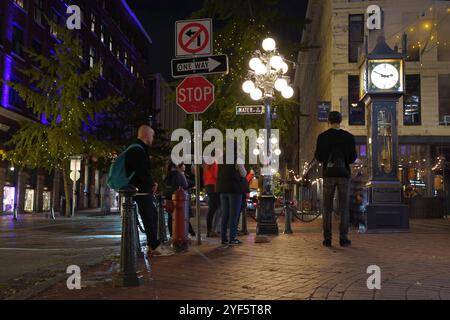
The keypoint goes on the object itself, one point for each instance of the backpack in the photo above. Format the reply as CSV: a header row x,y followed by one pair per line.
x,y
117,176
336,164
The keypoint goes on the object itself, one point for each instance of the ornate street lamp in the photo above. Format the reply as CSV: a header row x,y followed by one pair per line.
x,y
267,75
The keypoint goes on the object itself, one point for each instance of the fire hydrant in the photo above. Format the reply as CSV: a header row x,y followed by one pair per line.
x,y
180,223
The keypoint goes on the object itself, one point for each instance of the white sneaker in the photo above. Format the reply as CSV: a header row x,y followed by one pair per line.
x,y
161,251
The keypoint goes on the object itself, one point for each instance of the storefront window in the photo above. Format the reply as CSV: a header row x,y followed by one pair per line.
x,y
8,199
29,200
413,169
46,198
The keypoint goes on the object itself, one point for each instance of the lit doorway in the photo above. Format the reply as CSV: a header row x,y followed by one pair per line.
x,y
29,200
8,199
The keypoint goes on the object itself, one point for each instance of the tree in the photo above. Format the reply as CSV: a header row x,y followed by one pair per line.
x,y
57,94
240,27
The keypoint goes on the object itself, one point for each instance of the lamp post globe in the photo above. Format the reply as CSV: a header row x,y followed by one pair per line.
x,y
287,93
269,44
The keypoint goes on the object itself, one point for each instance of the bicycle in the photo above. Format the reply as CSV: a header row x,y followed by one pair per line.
x,y
304,215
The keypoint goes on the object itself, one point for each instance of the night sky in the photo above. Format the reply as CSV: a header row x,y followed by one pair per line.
x,y
159,16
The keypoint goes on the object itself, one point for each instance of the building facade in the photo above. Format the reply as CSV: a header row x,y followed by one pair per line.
x,y
168,115
328,79
110,33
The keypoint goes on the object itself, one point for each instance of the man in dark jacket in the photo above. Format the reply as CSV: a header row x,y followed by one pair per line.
x,y
336,150
137,160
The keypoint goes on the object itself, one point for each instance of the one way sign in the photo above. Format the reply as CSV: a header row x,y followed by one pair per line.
x,y
200,66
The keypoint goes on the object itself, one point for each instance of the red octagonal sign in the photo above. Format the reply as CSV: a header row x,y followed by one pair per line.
x,y
195,94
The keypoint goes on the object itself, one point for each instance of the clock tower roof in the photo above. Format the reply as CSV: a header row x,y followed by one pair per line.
x,y
383,51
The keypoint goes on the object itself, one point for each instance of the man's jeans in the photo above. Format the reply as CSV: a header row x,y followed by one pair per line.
x,y
230,204
149,216
329,186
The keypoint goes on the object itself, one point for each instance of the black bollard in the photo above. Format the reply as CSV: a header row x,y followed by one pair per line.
x,y
162,234
287,220
244,230
128,276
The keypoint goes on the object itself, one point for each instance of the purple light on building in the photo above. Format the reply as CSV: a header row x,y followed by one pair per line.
x,y
6,77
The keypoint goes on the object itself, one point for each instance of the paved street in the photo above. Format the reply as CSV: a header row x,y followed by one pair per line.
x,y
35,249
413,266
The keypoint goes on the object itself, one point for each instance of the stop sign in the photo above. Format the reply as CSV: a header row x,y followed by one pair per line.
x,y
195,94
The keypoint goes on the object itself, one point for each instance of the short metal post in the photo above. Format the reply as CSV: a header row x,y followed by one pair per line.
x,y
15,212
128,276
287,220
52,213
244,222
162,236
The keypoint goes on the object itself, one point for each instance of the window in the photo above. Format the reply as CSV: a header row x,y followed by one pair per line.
x,y
93,22
18,41
37,46
413,53
411,101
54,21
355,36
20,3
125,59
356,110
444,99
111,44
91,57
14,98
101,66
102,33
38,11
443,46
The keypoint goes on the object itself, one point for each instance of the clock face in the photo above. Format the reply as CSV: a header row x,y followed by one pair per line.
x,y
385,76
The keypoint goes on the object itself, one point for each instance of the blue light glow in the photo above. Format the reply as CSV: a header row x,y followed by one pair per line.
x,y
6,77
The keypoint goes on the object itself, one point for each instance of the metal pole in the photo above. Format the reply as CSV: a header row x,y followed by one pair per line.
x,y
287,220
161,220
268,178
74,196
244,221
198,157
128,276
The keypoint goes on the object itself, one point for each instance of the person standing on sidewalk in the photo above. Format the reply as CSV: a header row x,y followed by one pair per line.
x,y
336,150
138,164
210,172
181,181
231,187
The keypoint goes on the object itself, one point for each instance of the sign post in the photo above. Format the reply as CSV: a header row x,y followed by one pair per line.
x,y
195,94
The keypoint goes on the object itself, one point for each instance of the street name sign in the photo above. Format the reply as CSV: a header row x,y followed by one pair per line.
x,y
195,94
249,110
200,66
193,37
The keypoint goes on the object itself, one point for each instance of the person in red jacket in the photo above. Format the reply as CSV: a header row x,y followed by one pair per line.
x,y
210,181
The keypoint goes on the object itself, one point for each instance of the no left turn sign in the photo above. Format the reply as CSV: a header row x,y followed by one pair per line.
x,y
193,37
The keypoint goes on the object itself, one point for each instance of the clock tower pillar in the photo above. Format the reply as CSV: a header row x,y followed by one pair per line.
x,y
382,84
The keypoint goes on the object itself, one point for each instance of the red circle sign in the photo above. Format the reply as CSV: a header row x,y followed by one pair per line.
x,y
185,45
195,94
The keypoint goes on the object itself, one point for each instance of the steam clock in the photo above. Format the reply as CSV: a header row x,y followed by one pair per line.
x,y
382,84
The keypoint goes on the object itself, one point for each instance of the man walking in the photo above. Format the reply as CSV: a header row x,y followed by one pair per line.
x,y
336,150
137,161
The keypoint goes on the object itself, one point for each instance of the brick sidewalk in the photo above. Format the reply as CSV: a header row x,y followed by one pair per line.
x,y
413,266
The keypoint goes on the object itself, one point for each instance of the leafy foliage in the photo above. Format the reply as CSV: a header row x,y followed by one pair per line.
x,y
56,93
